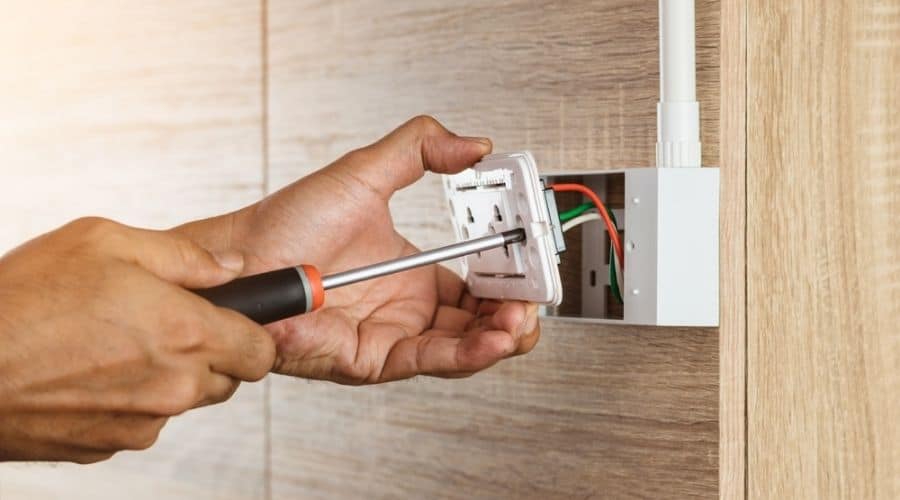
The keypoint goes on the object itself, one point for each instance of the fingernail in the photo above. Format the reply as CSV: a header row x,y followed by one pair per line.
x,y
484,141
531,320
230,259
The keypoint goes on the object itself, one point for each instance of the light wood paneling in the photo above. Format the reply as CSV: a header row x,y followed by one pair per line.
x,y
732,254
149,113
593,411
824,254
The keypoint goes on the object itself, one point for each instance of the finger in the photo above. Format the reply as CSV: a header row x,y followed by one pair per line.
x,y
35,437
238,347
218,388
445,357
528,341
106,433
507,316
402,157
489,306
175,258
450,286
451,318
469,303
94,433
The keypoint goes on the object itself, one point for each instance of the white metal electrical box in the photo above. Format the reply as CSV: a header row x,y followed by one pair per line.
x,y
668,220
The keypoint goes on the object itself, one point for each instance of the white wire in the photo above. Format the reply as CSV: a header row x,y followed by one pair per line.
x,y
581,219
588,217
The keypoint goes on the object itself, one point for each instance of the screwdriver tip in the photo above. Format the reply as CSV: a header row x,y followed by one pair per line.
x,y
513,235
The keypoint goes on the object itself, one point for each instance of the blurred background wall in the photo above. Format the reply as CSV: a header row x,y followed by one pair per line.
x,y
149,113
154,113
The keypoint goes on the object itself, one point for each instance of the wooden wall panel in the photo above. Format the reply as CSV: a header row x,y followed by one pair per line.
x,y
593,411
732,253
149,113
823,255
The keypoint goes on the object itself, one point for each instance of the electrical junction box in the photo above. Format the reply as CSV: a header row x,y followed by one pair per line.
x,y
668,221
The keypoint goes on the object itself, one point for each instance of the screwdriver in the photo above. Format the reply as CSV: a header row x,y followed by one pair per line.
x,y
285,293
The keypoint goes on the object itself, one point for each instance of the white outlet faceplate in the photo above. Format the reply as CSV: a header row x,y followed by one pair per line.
x,y
500,193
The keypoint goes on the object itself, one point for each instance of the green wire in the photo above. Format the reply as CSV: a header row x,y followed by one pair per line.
x,y
613,278
575,212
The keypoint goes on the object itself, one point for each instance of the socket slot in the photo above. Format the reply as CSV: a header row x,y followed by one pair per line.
x,y
500,193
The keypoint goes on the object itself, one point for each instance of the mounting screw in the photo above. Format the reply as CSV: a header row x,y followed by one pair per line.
x,y
635,292
636,200
629,246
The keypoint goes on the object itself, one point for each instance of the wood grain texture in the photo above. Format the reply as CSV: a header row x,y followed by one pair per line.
x,y
732,256
594,411
823,249
149,113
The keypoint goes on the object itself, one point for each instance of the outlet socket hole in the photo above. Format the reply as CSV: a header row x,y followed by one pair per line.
x,y
592,278
469,216
497,216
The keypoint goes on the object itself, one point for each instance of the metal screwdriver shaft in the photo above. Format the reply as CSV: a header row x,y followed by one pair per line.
x,y
425,258
280,294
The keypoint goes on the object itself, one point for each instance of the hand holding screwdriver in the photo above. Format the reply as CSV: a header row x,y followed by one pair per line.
x,y
276,295
419,322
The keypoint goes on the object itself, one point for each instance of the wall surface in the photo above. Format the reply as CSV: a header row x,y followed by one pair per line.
x,y
149,113
594,411
823,191
155,113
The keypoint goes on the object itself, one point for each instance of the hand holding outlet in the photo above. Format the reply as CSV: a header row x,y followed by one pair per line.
x,y
422,321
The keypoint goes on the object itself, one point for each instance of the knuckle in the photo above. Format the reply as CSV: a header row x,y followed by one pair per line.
x,y
359,374
359,157
425,123
264,352
529,341
87,224
180,395
189,253
96,229
189,333
227,393
146,437
181,329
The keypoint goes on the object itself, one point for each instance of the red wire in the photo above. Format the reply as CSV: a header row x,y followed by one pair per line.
x,y
610,227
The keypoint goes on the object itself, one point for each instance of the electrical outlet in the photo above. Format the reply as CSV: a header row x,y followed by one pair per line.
x,y
502,192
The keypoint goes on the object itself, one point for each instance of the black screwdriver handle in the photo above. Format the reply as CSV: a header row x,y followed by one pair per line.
x,y
269,297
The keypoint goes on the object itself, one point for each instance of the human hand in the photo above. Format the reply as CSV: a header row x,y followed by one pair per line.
x,y
417,322
100,344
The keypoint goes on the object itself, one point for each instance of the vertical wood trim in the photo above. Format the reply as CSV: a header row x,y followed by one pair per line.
x,y
733,331
264,129
823,254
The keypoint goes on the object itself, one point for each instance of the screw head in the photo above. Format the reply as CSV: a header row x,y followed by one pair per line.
x,y
635,292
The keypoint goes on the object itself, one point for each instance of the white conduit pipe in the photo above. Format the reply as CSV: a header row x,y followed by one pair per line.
x,y
678,112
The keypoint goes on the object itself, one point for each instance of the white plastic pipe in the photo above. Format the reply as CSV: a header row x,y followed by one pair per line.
x,y
678,112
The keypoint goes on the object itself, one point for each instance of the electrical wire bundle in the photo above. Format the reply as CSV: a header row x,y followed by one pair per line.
x,y
595,210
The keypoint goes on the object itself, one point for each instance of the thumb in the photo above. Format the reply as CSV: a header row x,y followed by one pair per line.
x,y
176,258
403,156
